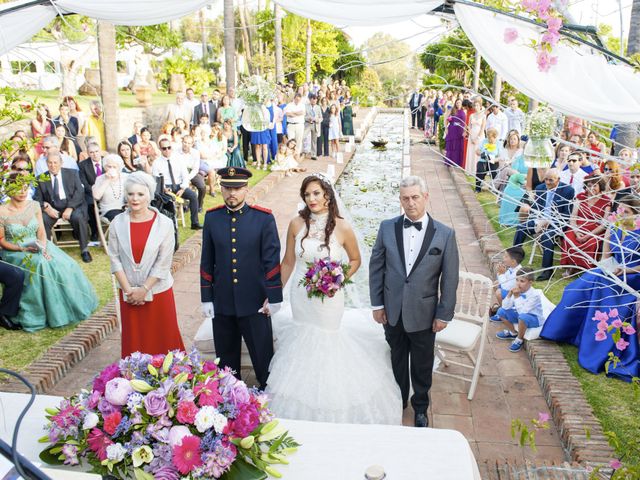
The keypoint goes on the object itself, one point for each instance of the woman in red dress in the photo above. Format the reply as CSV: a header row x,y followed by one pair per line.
x,y
582,241
141,244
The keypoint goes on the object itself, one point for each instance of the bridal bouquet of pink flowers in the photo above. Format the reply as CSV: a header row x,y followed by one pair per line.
x,y
168,417
324,277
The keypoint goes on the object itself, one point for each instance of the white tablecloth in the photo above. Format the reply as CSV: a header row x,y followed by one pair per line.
x,y
329,451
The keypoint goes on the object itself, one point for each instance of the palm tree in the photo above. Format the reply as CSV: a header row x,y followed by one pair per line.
x,y
307,62
229,44
278,42
108,82
628,132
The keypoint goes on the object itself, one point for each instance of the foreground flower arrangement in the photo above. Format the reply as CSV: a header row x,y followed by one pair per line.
x,y
168,417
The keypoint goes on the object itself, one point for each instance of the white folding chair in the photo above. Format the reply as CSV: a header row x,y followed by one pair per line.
x,y
468,328
103,226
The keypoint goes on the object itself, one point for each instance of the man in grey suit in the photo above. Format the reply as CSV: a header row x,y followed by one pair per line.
x,y
413,278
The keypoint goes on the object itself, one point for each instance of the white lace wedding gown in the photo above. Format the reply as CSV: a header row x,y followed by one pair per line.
x,y
330,364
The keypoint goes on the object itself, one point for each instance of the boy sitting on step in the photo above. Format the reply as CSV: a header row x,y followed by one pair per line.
x,y
522,307
507,270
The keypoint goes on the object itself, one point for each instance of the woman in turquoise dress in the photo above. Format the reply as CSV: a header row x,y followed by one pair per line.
x,y
56,292
234,157
347,116
511,198
572,321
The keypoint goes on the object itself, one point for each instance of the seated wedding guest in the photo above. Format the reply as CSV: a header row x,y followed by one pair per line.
x,y
135,138
88,140
522,307
574,175
66,146
572,321
634,184
108,189
62,196
190,157
12,280
90,169
41,127
506,276
548,218
562,153
511,160
22,165
176,179
51,145
613,176
511,200
71,125
141,244
56,292
594,144
147,148
587,163
583,239
131,162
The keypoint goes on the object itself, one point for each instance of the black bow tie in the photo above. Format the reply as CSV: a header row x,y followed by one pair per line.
x,y
408,224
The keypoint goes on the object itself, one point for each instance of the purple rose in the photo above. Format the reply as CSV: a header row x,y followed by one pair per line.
x,y
156,404
93,400
106,407
117,391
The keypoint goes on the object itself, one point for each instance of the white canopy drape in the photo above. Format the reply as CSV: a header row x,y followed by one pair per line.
x,y
582,83
359,12
18,26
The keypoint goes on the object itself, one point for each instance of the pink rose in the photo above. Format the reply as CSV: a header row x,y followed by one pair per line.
x,y
510,35
600,316
603,326
613,313
628,329
617,323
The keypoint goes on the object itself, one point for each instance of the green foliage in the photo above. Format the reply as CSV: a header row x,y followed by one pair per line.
x,y
611,41
71,28
155,39
191,32
392,60
183,63
350,65
367,91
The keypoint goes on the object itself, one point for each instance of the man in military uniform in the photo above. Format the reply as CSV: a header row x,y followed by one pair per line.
x,y
240,275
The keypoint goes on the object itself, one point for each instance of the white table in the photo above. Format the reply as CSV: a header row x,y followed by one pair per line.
x,y
329,451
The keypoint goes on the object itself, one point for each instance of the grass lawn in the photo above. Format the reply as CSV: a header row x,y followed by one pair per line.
x,y
19,349
127,99
614,402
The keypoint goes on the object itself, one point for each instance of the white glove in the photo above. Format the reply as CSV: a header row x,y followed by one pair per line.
x,y
271,308
207,309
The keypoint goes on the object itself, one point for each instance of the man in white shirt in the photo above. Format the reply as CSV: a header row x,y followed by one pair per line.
x,y
191,101
498,120
574,175
515,116
176,179
190,157
52,145
180,109
294,112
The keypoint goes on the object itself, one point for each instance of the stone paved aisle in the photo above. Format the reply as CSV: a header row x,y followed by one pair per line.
x,y
508,388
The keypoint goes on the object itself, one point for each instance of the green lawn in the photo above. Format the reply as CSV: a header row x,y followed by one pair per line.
x,y
614,402
19,349
127,99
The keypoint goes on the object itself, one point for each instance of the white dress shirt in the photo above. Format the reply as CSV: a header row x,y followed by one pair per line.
x,y
507,280
41,164
179,169
527,302
190,160
61,193
412,239
576,180
499,122
293,108
515,120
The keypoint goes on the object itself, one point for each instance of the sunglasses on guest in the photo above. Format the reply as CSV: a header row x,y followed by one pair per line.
x,y
165,148
573,160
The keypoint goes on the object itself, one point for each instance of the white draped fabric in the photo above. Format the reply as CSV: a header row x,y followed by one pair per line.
x,y
20,25
359,12
582,83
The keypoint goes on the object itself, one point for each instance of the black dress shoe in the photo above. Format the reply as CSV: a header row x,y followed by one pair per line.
x,y
8,324
86,257
94,237
196,226
543,277
421,420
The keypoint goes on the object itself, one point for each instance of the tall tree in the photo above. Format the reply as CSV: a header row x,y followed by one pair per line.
x,y
229,44
246,39
628,132
277,40
392,60
109,82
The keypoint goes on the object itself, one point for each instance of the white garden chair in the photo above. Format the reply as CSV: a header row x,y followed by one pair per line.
x,y
468,328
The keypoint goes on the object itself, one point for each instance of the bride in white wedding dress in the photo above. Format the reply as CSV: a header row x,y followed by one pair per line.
x,y
330,364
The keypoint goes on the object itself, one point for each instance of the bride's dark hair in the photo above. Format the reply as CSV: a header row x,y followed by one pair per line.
x,y
334,212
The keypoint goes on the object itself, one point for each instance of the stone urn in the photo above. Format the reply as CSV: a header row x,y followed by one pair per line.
x,y
177,83
143,95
